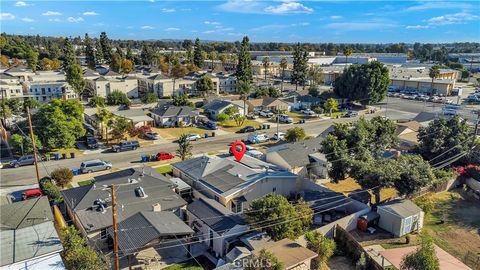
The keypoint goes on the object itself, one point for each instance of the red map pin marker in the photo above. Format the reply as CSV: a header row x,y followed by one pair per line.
x,y
238,154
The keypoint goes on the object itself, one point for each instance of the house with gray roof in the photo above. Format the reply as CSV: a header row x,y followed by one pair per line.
x,y
218,106
137,190
216,226
234,184
167,115
28,238
302,158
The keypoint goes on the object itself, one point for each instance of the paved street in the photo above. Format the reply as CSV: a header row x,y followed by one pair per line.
x,y
397,109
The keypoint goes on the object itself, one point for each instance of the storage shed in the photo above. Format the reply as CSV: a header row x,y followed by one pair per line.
x,y
400,217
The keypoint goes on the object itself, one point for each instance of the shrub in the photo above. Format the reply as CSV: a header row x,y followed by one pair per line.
x,y
426,203
149,98
62,176
51,190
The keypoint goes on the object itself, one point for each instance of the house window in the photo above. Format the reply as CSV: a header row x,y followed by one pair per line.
x,y
103,234
274,189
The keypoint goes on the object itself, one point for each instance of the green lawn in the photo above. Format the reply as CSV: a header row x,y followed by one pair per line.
x,y
164,169
231,126
174,133
85,183
186,265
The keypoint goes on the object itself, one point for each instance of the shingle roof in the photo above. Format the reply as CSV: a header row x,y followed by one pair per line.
x,y
402,208
144,227
25,213
156,187
170,110
222,180
322,200
297,154
215,215
216,105
288,252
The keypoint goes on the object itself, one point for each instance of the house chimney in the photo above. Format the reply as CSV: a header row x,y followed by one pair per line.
x,y
156,207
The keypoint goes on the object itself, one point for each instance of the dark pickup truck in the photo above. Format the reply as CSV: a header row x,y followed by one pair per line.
x,y
125,146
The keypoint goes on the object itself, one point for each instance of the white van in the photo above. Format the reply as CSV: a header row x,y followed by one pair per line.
x,y
257,138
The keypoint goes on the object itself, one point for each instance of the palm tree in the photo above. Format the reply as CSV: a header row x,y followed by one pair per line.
x,y
283,65
104,116
223,59
245,88
314,73
433,73
266,64
347,52
213,55
184,150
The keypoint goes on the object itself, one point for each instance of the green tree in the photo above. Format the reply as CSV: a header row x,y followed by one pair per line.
x,y
182,100
321,245
232,110
197,54
424,257
76,254
104,116
295,134
178,71
69,57
204,85
62,176
433,73
30,103
244,66
89,52
118,98
278,217
415,173
115,62
266,65
23,145
336,152
106,47
73,71
315,75
127,66
120,127
96,101
51,190
149,98
15,105
32,59
283,66
245,88
129,55
184,150
313,91
300,66
222,117
265,260
330,105
347,52
366,83
213,55
98,52
239,119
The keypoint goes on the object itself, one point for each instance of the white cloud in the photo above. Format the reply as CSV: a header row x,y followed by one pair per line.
x,y
168,10
22,4
151,1
300,24
288,7
359,26
51,13
209,22
439,5
6,16
54,20
457,18
242,6
172,29
209,32
336,17
74,20
26,19
147,27
417,26
90,13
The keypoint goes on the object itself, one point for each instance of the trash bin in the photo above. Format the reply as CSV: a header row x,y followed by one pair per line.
x,y
75,171
72,155
213,134
64,156
206,135
56,156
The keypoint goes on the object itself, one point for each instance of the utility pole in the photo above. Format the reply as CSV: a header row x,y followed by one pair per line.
x,y
476,126
32,137
278,123
114,216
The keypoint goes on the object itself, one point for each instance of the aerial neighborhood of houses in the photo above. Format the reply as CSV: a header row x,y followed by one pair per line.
x,y
189,155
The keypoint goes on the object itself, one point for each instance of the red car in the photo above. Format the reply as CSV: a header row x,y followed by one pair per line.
x,y
31,193
164,156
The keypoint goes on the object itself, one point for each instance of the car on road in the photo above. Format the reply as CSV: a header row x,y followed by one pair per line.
x,y
94,165
31,194
24,161
257,138
193,137
125,146
164,155
267,114
278,136
91,142
152,135
246,129
351,114
283,118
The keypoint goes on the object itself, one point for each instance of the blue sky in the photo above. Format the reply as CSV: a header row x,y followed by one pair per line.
x,y
276,21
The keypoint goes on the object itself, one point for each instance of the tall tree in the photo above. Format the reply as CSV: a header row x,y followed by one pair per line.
x,y
74,77
127,66
433,73
321,245
283,66
300,65
89,52
129,55
99,52
117,97
178,71
424,257
106,47
76,253
204,85
330,105
244,66
265,260
115,62
295,134
347,52
69,57
184,150
244,88
213,55
32,59
197,54
266,65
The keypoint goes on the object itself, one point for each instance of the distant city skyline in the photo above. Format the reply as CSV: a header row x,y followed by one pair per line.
x,y
262,21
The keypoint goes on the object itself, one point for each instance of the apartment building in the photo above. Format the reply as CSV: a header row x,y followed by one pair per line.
x,y
10,87
47,85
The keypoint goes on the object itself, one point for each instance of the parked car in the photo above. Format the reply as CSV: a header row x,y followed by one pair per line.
x,y
94,165
351,114
211,125
279,136
247,148
267,114
193,137
152,135
283,118
252,116
31,194
24,161
257,138
247,129
125,146
308,112
91,142
164,155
